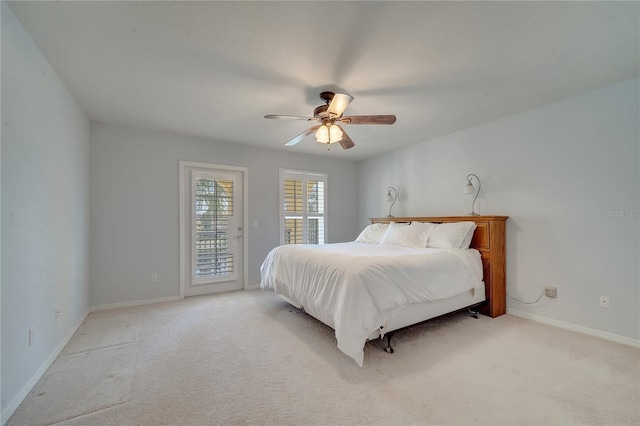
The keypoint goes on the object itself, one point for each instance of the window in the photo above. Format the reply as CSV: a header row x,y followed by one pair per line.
x,y
303,205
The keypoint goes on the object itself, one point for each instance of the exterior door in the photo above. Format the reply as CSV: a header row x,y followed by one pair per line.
x,y
216,225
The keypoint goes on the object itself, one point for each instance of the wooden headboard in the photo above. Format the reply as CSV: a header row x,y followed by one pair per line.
x,y
489,239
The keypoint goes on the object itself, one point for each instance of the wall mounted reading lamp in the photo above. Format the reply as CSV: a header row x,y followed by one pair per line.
x,y
391,198
470,189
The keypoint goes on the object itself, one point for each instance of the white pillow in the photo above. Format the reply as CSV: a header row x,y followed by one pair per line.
x,y
452,235
373,233
466,242
416,235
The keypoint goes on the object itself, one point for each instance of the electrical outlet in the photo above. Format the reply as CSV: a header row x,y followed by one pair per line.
x,y
604,302
30,336
154,277
550,292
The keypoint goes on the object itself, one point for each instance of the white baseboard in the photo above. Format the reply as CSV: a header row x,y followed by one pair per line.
x,y
13,405
577,328
106,307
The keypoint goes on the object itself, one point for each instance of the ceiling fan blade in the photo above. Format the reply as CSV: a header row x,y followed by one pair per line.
x,y
369,119
346,142
339,103
289,117
302,135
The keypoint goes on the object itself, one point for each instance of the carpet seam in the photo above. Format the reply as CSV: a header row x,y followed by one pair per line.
x,y
102,348
90,413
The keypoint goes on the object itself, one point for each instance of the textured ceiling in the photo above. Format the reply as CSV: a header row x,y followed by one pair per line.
x,y
214,69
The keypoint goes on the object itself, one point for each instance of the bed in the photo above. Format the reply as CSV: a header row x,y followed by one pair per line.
x,y
367,289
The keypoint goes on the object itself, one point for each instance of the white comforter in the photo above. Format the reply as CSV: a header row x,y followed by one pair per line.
x,y
355,287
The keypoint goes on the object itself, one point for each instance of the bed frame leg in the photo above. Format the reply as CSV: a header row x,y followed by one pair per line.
x,y
473,312
389,349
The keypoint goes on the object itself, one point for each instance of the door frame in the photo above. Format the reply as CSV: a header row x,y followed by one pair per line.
x,y
184,216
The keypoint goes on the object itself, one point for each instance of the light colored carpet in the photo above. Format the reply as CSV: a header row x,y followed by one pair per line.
x,y
250,358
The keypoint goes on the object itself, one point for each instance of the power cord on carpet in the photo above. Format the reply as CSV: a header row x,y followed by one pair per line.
x,y
527,303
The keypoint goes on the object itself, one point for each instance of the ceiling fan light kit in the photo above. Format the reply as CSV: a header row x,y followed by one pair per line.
x,y
329,133
328,115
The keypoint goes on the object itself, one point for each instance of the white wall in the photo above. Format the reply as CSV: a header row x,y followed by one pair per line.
x,y
45,212
134,206
558,171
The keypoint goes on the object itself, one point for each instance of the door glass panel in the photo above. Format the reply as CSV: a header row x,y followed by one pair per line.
x,y
214,222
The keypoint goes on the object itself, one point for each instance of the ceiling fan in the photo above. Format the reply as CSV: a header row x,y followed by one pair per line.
x,y
330,117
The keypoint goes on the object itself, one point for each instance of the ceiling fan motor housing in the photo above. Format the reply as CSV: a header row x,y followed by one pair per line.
x,y
321,111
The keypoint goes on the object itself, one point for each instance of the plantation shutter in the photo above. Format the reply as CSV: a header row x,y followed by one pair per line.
x,y
303,197
293,202
315,210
